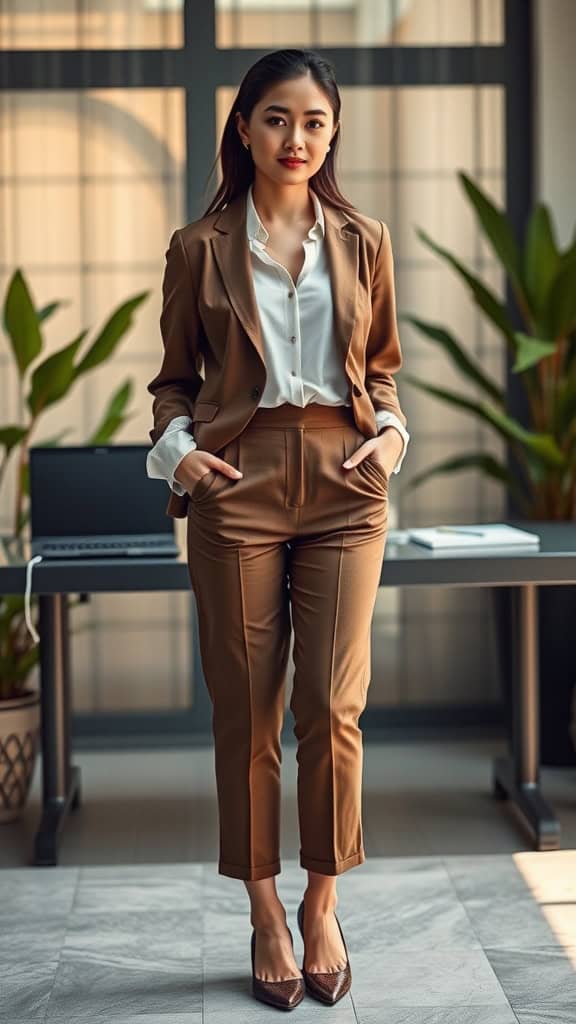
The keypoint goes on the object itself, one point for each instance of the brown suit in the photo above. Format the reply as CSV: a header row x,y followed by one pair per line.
x,y
210,316
295,543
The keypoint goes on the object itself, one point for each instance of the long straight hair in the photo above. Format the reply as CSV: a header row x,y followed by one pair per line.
x,y
236,161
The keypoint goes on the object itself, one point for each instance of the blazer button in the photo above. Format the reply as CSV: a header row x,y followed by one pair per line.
x,y
256,392
357,390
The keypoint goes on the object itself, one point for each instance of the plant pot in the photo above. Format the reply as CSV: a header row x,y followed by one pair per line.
x,y
19,734
556,663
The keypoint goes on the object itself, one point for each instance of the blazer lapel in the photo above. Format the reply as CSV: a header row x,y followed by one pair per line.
x,y
232,255
343,261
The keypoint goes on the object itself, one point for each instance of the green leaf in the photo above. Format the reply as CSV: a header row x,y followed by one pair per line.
x,y
538,471
113,417
52,378
48,310
24,517
530,351
570,353
25,477
7,612
565,407
11,436
27,660
483,297
561,312
541,260
487,464
497,229
21,323
109,428
110,335
541,445
457,354
16,668
53,442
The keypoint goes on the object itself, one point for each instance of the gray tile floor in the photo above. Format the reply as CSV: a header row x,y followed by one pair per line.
x,y
453,918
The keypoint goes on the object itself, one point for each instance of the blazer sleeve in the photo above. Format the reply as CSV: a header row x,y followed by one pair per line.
x,y
383,354
178,382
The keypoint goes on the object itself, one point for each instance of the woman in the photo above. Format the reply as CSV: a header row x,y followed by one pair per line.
x,y
282,294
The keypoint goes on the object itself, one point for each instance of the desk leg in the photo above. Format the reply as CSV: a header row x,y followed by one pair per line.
x,y
60,780
517,777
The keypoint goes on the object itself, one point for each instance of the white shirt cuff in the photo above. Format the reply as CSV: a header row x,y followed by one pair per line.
x,y
389,419
164,458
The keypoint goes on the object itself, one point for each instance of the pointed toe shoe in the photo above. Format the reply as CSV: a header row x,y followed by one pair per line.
x,y
284,995
328,986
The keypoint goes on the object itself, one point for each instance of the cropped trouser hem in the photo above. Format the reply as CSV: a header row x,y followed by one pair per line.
x,y
332,867
251,874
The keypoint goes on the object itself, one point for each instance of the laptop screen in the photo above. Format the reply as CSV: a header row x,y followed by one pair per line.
x,y
100,489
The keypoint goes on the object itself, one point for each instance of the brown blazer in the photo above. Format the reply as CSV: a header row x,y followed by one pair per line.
x,y
213,366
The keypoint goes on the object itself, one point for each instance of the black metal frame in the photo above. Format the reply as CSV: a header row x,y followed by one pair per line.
x,y
200,68
519,178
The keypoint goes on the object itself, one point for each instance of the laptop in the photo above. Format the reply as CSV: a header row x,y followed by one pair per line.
x,y
96,501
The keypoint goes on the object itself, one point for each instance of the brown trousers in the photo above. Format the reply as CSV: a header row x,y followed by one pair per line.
x,y
296,543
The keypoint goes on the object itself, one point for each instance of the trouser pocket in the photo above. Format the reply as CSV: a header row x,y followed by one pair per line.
x,y
214,481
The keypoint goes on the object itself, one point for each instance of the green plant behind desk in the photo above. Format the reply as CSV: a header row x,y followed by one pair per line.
x,y
44,381
542,278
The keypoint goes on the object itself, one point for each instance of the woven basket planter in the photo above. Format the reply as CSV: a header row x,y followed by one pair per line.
x,y
19,735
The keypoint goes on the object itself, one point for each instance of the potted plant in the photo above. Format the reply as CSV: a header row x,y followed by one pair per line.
x,y
542,280
43,382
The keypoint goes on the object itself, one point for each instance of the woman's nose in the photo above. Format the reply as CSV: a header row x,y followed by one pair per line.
x,y
294,139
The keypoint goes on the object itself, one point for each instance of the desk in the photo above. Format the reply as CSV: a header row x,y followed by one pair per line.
x,y
515,777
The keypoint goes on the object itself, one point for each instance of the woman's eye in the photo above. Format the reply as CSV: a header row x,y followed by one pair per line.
x,y
318,123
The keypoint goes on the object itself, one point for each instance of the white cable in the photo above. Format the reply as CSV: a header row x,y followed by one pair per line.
x,y
29,623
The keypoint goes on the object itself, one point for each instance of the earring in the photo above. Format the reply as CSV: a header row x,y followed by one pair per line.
x,y
328,148
246,145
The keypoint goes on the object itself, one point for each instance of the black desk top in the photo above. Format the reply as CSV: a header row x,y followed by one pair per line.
x,y
405,564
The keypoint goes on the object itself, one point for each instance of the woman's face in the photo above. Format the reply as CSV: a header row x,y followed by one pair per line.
x,y
302,128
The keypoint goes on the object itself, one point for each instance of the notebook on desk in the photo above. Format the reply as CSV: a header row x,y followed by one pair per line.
x,y
473,535
96,501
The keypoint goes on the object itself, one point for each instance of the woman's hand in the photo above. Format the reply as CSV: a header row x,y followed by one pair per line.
x,y
197,463
386,448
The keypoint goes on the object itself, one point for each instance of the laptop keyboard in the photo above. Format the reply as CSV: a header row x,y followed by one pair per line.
x,y
84,545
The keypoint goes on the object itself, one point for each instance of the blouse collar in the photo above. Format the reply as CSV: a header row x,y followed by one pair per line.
x,y
257,232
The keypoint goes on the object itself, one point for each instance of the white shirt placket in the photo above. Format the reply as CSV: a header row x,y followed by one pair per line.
x,y
292,311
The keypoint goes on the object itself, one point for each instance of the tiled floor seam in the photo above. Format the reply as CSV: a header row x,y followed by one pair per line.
x,y
203,925
465,909
68,915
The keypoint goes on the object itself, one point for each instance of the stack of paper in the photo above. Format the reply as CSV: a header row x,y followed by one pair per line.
x,y
473,535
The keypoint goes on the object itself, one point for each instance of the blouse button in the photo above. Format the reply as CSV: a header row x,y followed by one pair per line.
x,y
290,295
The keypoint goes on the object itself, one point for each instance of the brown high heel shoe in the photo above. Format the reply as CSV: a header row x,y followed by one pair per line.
x,y
327,986
284,995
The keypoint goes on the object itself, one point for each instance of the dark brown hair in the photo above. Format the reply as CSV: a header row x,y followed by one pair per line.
x,y
236,161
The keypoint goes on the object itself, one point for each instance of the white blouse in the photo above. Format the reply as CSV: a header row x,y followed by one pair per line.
x,y
302,364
